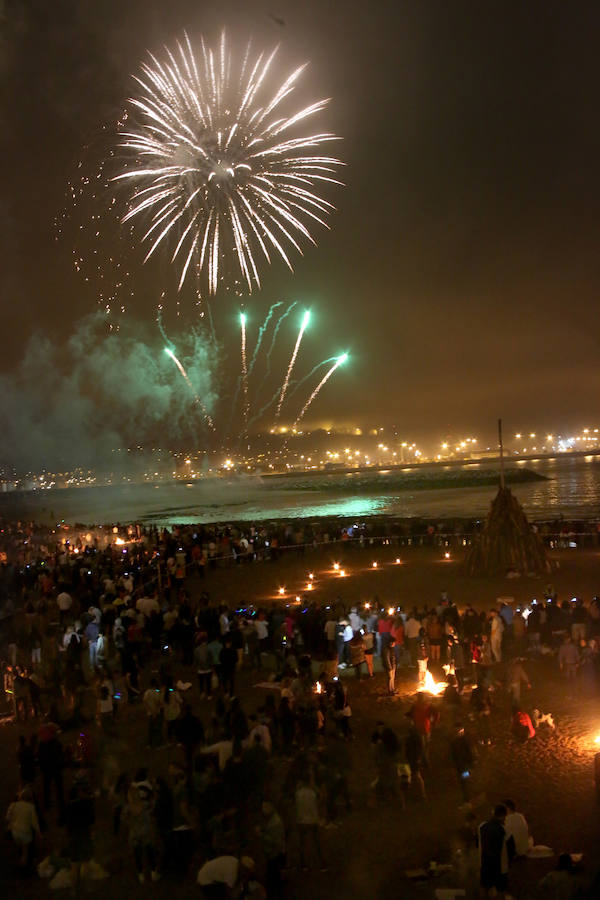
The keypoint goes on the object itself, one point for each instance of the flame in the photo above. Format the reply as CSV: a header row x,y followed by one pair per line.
x,y
431,686
318,688
597,739
120,542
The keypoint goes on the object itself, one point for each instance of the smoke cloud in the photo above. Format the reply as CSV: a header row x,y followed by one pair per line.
x,y
75,403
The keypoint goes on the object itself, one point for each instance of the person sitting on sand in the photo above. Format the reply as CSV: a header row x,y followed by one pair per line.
x,y
560,883
521,725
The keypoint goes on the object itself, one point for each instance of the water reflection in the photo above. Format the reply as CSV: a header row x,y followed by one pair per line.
x,y
572,489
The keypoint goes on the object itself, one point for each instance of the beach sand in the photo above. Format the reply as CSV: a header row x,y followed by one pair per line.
x,y
550,778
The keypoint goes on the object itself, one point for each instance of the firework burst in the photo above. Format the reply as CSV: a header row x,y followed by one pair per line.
x,y
218,165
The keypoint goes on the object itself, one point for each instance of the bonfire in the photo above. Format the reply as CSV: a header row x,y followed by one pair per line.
x,y
431,686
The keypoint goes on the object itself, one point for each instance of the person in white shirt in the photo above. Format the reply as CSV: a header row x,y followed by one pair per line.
x,y
262,627
517,830
330,631
223,621
23,824
412,629
355,620
307,819
226,871
127,582
147,606
497,627
259,730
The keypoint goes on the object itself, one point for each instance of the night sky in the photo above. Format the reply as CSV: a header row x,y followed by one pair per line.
x,y
462,270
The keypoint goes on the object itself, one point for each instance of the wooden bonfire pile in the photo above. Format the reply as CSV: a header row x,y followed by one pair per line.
x,y
507,543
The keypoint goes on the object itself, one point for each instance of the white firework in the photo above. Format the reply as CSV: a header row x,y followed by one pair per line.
x,y
218,166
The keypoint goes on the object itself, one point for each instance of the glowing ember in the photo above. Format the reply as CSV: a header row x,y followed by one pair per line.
x,y
431,686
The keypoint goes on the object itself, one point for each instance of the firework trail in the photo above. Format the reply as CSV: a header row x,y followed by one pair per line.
x,y
261,333
244,369
295,386
339,361
286,380
159,322
217,161
273,339
255,355
186,378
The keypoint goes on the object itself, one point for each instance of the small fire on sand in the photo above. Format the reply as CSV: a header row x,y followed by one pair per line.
x,y
431,686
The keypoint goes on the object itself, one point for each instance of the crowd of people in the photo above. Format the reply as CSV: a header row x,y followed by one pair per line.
x,y
97,640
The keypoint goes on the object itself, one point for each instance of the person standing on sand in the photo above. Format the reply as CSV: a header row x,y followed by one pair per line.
x,y
388,655
515,676
414,752
517,831
369,640
496,632
493,855
568,658
412,630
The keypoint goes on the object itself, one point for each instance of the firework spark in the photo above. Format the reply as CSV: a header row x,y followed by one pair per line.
x,y
339,362
244,368
218,164
286,380
294,386
261,334
187,380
